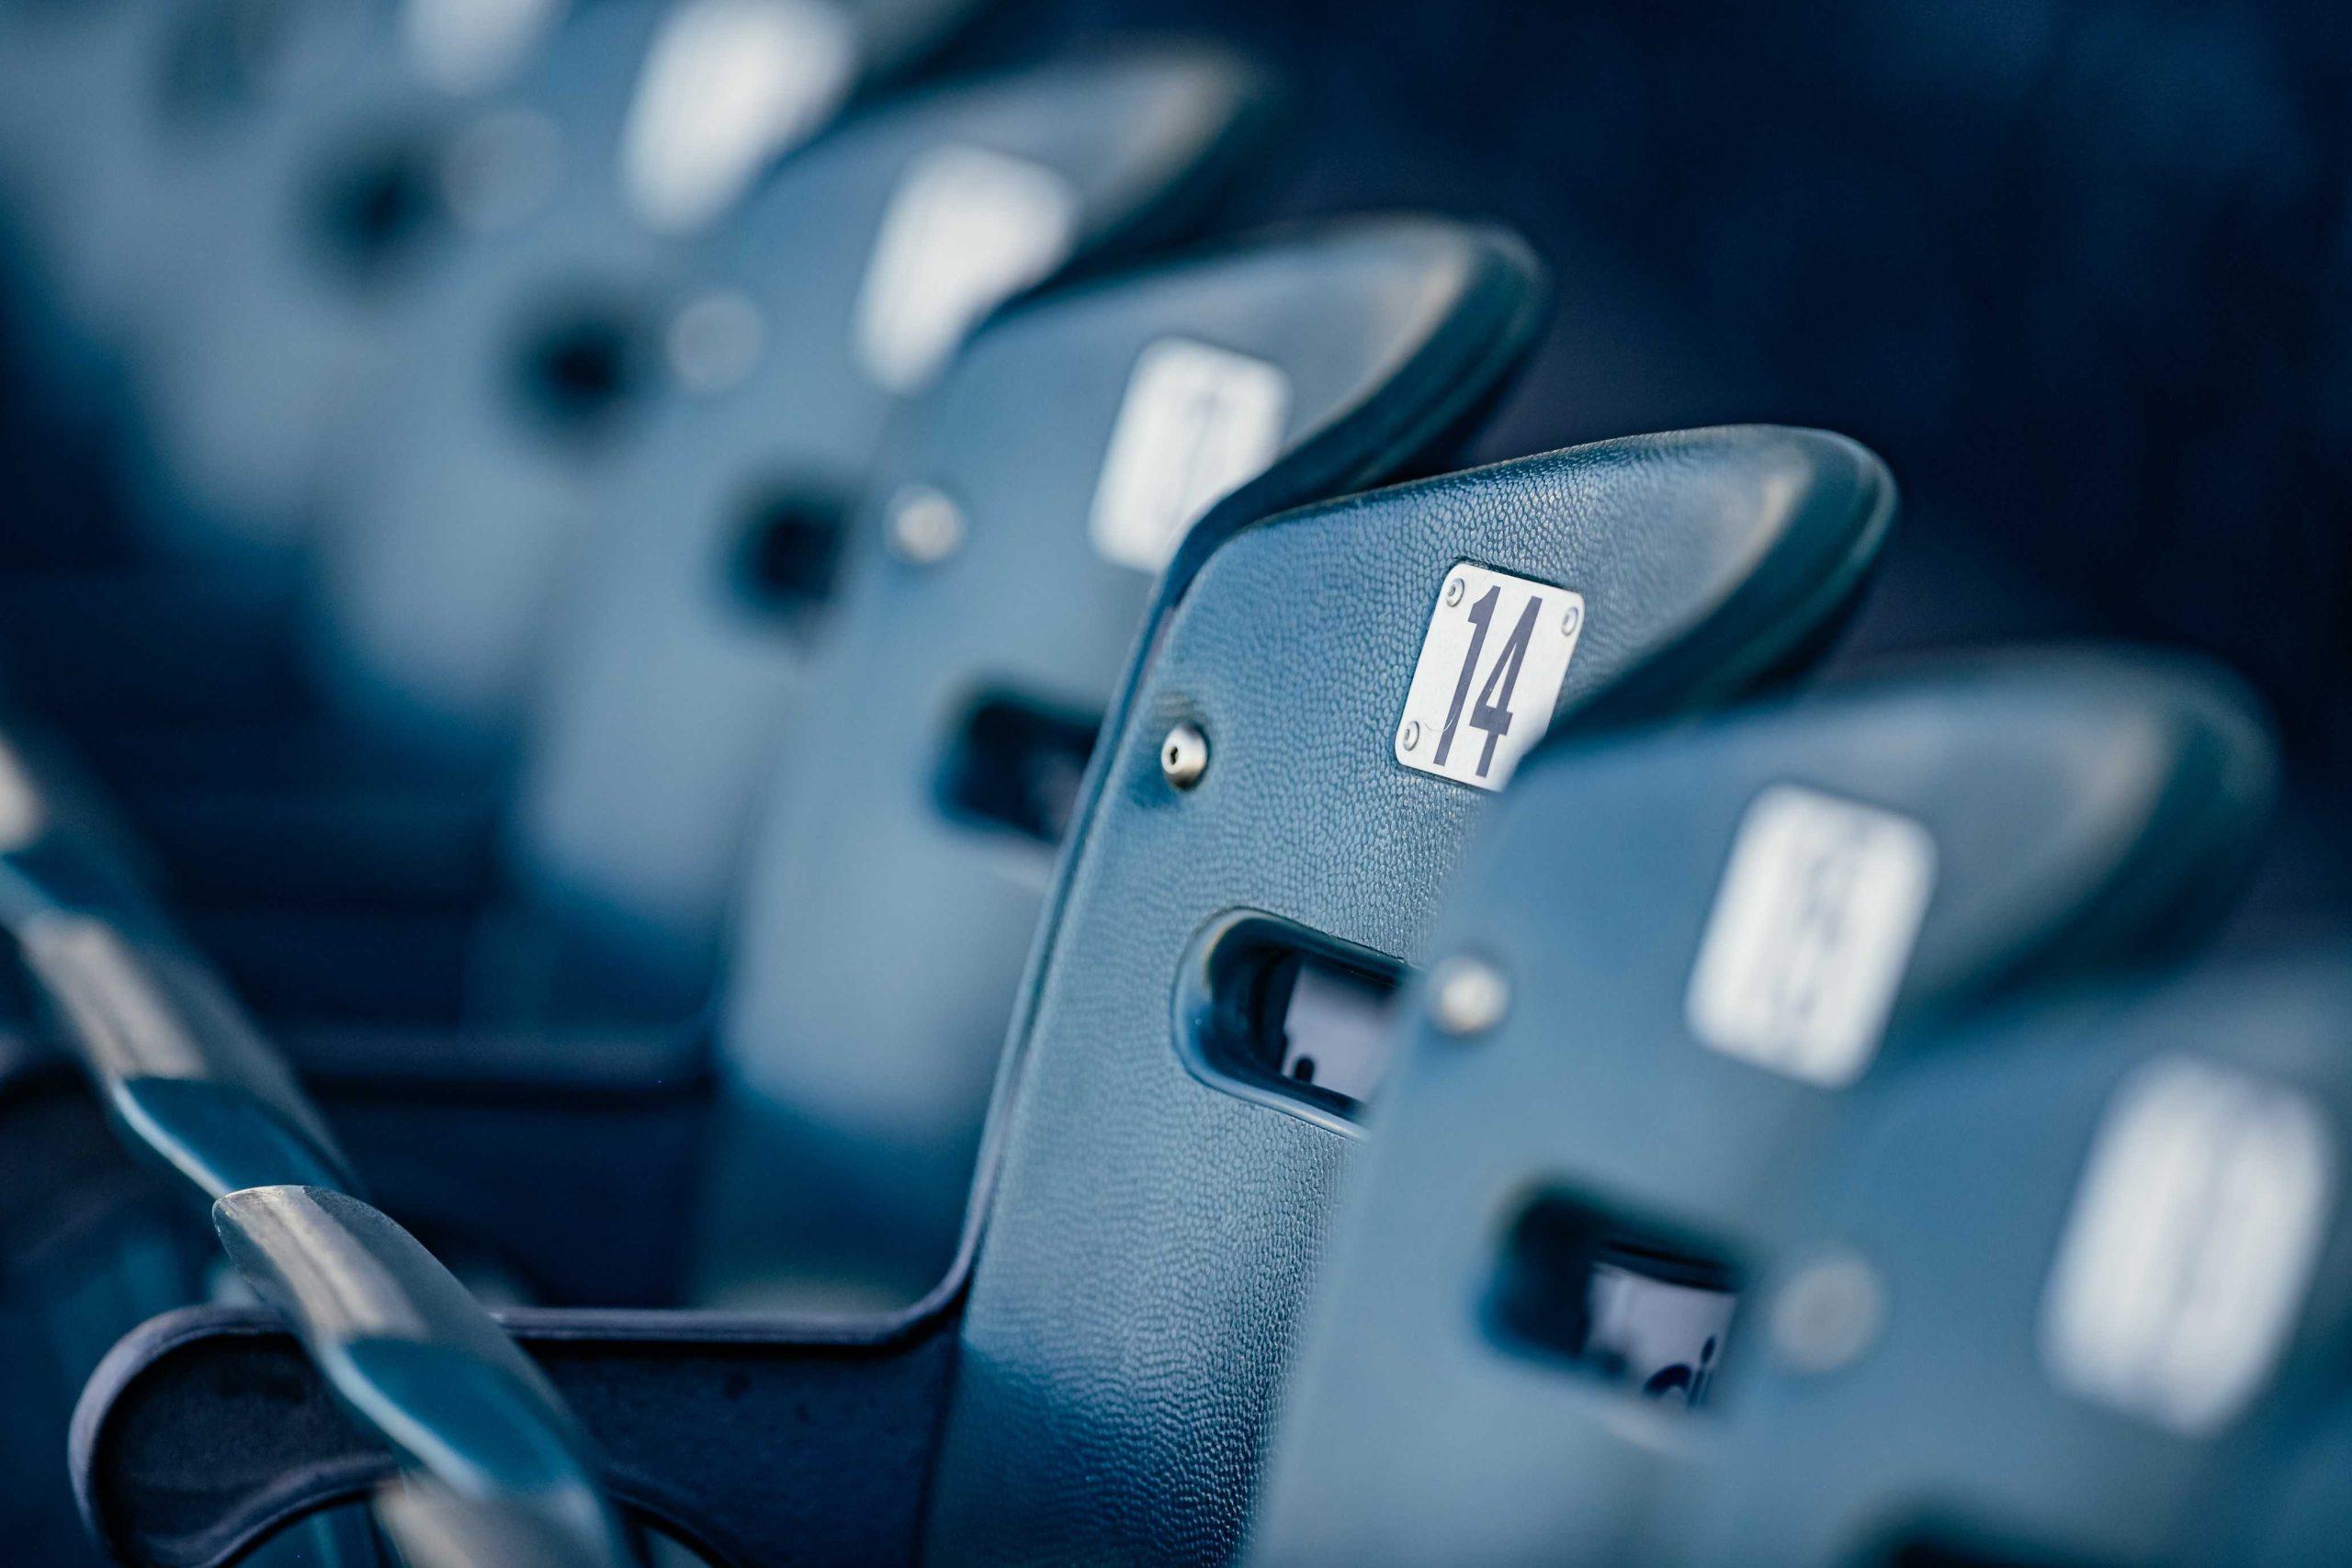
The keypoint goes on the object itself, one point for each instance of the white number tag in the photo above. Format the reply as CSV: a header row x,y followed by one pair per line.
x,y
1491,666
967,230
728,85
1197,423
1805,949
2185,1259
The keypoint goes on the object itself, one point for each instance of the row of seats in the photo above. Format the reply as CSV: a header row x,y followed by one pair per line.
x,y
863,801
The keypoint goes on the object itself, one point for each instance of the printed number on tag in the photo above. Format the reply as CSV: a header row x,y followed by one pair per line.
x,y
2184,1262
1806,946
1490,671
1197,423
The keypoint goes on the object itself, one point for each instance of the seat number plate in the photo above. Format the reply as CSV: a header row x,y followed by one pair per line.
x,y
1197,423
1490,671
2189,1249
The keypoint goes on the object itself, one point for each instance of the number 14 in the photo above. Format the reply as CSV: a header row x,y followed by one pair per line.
x,y
1493,662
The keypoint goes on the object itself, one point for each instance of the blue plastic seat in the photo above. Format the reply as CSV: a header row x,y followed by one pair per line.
x,y
1696,948
931,744
448,536
1092,1376
2100,1250
1160,1176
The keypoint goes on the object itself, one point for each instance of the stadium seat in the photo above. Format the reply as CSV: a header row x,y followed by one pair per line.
x,y
1705,937
445,537
2101,1241
1146,1145
731,617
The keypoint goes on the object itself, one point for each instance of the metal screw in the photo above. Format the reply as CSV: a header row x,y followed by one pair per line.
x,y
1572,620
1828,1313
1453,590
1184,756
1467,997
925,528
1411,738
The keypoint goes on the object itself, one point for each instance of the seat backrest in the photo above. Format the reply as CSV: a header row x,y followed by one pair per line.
x,y
720,534
444,553
295,213
1288,775
2107,1270
1701,939
993,590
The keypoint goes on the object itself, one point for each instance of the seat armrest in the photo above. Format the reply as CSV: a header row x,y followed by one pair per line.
x,y
755,1440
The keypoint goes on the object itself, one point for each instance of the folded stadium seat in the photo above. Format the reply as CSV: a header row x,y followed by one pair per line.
x,y
250,389
2071,1291
71,77
1661,973
285,208
282,279
1294,760
256,403
1356,676
1126,143
486,1450
938,692
75,82
446,536
1385,336
1304,363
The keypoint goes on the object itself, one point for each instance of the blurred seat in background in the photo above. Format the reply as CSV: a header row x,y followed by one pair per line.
x,y
2072,1290
1670,969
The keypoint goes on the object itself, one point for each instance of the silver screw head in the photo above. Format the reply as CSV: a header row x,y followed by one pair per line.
x,y
1825,1317
1184,756
1412,736
1571,620
924,526
1468,997
1453,590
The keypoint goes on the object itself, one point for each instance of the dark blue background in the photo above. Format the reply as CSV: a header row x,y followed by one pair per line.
x,y
2081,271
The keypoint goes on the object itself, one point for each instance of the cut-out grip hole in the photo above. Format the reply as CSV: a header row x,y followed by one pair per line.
x,y
1278,1011
790,550
577,374
1016,763
1616,1298
374,210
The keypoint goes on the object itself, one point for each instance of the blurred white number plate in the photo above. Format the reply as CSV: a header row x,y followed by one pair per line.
x,y
1490,671
2185,1261
728,84
1806,947
967,230
1197,423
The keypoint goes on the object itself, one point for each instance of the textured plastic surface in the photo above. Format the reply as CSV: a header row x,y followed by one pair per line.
x,y
1149,1238
447,543
2083,811
864,1022
660,721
